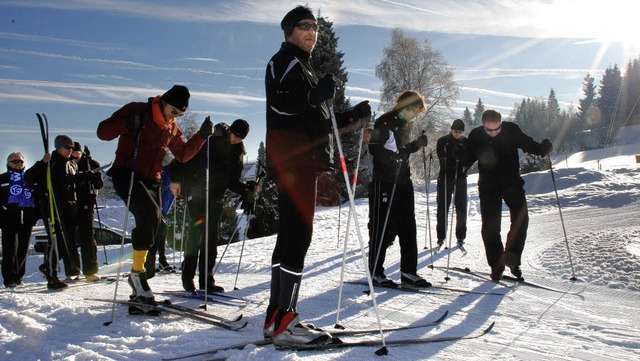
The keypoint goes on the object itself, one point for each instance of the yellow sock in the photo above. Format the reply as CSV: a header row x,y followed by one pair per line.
x,y
139,258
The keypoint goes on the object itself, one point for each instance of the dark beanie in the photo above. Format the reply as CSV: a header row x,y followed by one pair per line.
x,y
178,96
240,127
458,124
293,17
76,147
61,141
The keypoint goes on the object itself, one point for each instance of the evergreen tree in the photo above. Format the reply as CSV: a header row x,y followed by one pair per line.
x,y
467,118
477,114
630,100
608,102
587,115
265,222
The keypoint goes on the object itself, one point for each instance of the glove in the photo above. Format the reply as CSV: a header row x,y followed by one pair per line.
x,y
546,147
87,153
206,129
325,90
137,122
422,141
458,151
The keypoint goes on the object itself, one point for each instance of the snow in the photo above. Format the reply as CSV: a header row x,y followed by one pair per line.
x,y
600,206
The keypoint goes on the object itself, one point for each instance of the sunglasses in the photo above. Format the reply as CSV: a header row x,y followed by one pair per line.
x,y
16,161
489,130
175,111
307,26
68,147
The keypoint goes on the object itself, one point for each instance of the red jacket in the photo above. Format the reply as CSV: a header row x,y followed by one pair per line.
x,y
153,140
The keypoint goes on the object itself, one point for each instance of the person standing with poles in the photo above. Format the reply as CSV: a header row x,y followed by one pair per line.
x,y
145,131
86,191
298,147
495,146
225,162
19,212
452,153
391,198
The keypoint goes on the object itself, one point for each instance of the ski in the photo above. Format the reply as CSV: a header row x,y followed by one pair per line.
x,y
202,313
163,307
399,342
481,275
427,290
222,294
210,298
353,332
521,281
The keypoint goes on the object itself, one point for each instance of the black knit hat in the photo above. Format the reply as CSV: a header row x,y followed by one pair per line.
x,y
295,16
178,96
76,147
62,141
457,124
240,127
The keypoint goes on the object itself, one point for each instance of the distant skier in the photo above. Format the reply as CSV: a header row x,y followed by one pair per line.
x,y
452,150
226,153
391,198
495,146
145,132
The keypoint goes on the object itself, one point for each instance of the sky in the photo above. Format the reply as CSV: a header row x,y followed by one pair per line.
x,y
599,323
80,61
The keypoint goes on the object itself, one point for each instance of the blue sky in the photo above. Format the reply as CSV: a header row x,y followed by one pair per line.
x,y
79,61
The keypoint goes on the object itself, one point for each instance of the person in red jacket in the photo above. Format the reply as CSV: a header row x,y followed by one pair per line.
x,y
145,132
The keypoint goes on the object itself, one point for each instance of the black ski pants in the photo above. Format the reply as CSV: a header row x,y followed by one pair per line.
x,y
15,244
491,197
401,222
296,207
444,197
86,238
196,247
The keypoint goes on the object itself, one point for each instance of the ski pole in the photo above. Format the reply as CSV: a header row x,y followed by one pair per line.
x,y
355,184
244,238
352,206
453,197
206,230
235,229
91,190
564,231
124,228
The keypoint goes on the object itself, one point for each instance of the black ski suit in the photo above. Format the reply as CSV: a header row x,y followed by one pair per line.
x,y
499,179
86,191
63,179
452,155
225,170
19,212
390,148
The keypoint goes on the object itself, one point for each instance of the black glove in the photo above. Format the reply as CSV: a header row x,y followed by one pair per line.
x,y
137,122
546,147
206,129
361,112
325,90
422,141
458,150
87,153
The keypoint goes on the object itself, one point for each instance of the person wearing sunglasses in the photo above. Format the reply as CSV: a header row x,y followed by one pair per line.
x,y
145,131
19,212
298,147
495,146
64,175
452,152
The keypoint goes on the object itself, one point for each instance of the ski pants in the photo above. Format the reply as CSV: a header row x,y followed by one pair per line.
x,y
86,238
196,247
296,206
145,206
491,197
15,244
444,196
401,222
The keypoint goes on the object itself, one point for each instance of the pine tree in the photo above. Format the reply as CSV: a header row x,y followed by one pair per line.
x,y
630,100
587,114
266,218
608,103
467,118
477,114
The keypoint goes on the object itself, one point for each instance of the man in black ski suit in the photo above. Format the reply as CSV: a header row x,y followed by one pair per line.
x,y
297,147
452,152
64,175
86,192
391,201
19,212
495,146
225,155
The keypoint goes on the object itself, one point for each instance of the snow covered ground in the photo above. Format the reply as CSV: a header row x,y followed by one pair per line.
x,y
600,209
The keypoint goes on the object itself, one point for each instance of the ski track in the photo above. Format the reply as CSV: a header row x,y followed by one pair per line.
x,y
531,323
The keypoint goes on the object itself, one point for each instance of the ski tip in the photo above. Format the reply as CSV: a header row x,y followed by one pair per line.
x,y
490,327
383,351
338,326
107,323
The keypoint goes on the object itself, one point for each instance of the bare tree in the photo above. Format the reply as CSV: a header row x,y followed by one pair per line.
x,y
411,64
